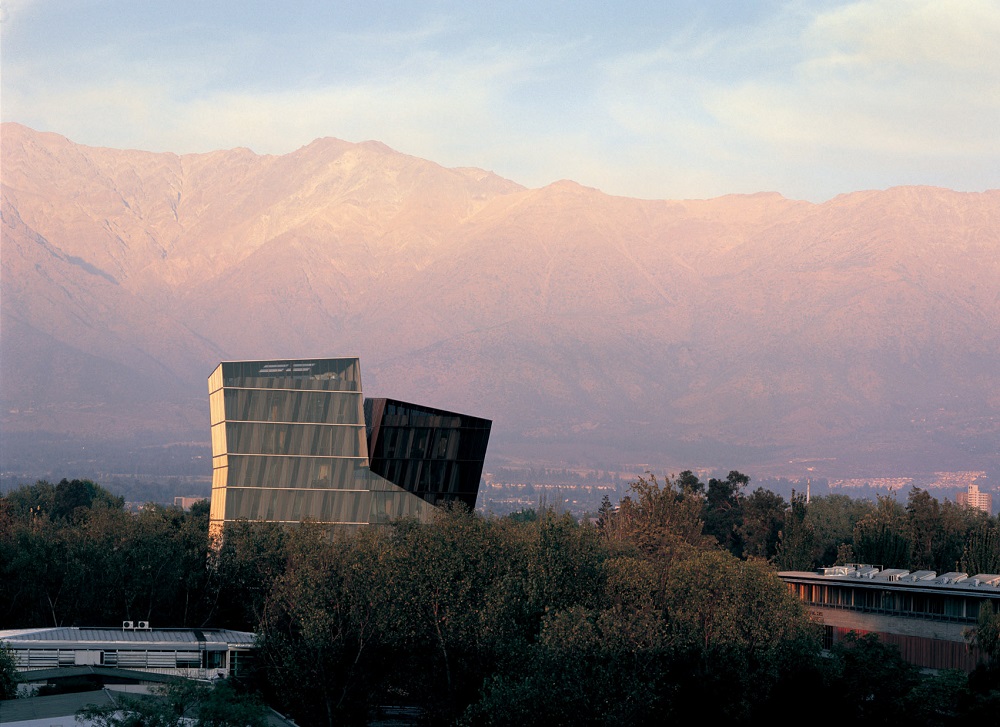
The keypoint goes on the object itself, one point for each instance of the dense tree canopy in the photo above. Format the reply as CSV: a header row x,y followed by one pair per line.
x,y
668,608
71,555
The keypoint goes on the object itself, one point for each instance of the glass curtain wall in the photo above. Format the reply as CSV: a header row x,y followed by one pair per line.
x,y
289,444
435,454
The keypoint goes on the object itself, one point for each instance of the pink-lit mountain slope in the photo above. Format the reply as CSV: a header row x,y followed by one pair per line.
x,y
718,332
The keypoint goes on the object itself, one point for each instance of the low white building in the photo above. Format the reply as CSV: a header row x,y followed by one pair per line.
x,y
925,614
191,653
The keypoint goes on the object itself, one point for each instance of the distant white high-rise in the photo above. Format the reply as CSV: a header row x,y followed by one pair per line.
x,y
974,498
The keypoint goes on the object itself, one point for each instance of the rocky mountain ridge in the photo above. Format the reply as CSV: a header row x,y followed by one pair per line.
x,y
863,331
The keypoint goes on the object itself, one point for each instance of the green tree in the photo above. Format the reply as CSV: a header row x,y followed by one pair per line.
x,y
986,634
723,511
735,629
419,612
224,705
71,496
845,555
71,554
48,575
149,563
982,549
957,523
61,501
325,623
472,608
8,673
723,603
940,699
880,537
687,481
797,540
243,571
587,667
763,522
525,515
872,680
833,518
30,500
659,519
924,528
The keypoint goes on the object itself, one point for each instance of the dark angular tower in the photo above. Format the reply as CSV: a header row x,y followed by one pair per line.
x,y
432,453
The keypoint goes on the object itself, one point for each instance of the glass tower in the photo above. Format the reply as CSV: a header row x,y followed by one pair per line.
x,y
289,443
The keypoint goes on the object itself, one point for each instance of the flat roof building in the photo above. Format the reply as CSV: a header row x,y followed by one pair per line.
x,y
923,613
291,441
43,653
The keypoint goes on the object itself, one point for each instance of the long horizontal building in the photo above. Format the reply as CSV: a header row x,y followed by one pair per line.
x,y
923,613
44,653
294,439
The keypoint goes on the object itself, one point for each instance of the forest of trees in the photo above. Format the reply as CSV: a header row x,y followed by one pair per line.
x,y
666,607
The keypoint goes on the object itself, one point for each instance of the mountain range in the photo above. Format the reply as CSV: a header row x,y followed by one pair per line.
x,y
856,336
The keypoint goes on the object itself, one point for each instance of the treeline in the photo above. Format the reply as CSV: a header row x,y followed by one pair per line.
x,y
71,555
923,533
649,615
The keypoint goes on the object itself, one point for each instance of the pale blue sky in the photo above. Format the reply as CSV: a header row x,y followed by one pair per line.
x,y
647,99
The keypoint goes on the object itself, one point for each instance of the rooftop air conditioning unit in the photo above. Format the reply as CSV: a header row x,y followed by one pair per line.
x,y
144,625
126,625
837,570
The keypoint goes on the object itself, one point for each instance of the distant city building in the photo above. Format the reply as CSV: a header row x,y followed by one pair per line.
x,y
974,498
922,613
291,441
185,503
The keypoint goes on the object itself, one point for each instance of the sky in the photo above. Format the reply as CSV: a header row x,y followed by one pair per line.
x,y
675,100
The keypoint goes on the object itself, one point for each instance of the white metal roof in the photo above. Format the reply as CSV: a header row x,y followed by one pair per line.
x,y
127,638
982,584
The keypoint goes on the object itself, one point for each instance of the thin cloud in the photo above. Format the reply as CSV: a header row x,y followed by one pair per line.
x,y
848,89
929,36
888,78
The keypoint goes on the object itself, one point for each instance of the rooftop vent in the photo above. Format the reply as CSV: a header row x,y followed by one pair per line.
x,y
891,574
836,570
985,579
920,575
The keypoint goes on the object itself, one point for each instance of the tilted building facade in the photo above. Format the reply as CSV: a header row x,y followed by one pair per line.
x,y
432,453
290,442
